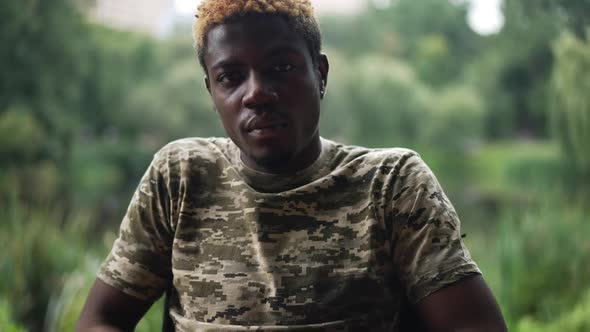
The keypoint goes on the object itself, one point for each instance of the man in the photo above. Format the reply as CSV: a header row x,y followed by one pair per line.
x,y
276,228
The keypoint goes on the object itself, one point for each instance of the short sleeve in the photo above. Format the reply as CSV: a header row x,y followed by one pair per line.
x,y
428,251
139,263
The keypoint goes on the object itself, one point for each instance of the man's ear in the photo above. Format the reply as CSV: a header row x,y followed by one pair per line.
x,y
323,69
207,84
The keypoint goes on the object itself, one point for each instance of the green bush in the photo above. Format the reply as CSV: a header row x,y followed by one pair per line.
x,y
571,103
391,103
543,256
37,252
577,319
47,268
513,172
66,306
21,135
455,120
6,320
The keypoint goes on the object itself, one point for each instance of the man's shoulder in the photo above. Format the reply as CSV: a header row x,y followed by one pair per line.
x,y
202,145
344,154
193,150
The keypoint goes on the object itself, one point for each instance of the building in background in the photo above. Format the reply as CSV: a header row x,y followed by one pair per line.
x,y
154,17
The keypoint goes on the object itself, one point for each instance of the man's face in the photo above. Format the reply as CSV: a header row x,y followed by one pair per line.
x,y
266,89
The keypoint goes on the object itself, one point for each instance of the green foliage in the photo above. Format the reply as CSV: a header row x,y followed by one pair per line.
x,y
531,244
432,56
571,83
563,14
46,271
513,70
514,171
543,255
380,102
125,96
431,35
389,99
47,43
534,258
66,306
152,321
338,114
21,136
173,103
6,321
37,254
577,319
455,121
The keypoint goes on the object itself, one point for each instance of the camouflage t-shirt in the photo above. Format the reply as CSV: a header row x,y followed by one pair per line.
x,y
346,244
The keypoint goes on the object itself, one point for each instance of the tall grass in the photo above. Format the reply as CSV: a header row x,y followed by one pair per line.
x,y
47,266
532,246
544,255
577,319
66,308
38,251
536,261
7,321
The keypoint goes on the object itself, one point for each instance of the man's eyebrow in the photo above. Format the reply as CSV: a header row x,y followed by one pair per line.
x,y
274,52
225,63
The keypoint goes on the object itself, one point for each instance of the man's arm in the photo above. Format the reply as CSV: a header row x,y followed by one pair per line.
x,y
467,305
108,309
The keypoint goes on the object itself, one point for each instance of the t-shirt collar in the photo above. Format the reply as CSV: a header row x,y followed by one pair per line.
x,y
274,183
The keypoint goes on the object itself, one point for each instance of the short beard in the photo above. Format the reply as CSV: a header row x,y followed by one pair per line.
x,y
277,161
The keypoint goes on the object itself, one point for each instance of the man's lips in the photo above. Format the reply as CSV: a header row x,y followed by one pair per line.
x,y
258,124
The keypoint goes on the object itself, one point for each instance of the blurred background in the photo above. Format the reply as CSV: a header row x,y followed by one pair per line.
x,y
495,95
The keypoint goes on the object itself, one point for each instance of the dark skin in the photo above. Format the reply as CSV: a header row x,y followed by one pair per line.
x,y
266,87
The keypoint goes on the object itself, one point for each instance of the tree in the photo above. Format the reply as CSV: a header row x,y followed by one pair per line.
x,y
571,102
514,70
430,35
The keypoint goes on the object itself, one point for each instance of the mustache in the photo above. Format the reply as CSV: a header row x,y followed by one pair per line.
x,y
265,119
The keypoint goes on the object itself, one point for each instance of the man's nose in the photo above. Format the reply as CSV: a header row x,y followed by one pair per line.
x,y
260,91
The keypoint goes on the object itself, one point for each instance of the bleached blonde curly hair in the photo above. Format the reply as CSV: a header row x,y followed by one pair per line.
x,y
298,13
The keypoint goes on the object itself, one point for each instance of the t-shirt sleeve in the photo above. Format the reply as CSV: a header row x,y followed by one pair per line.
x,y
139,263
428,251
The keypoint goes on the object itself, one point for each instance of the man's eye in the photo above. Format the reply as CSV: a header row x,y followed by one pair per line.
x,y
228,77
284,67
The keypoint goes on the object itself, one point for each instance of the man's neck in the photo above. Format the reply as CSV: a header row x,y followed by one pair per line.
x,y
298,162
